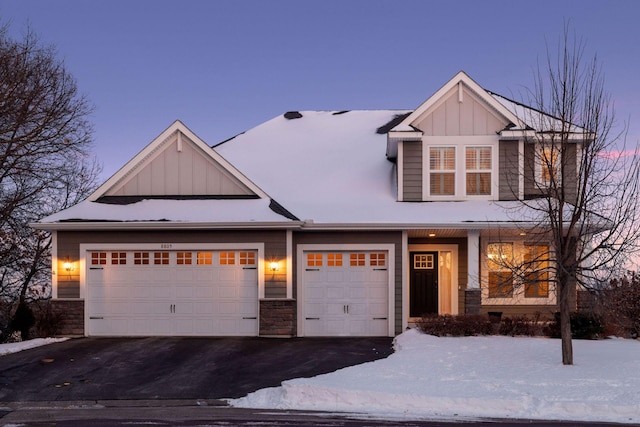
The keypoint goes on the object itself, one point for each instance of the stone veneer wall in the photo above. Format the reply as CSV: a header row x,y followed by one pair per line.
x,y
278,318
71,313
472,301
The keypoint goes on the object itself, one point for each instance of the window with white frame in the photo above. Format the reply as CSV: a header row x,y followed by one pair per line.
x,y
442,166
500,261
478,171
536,259
548,164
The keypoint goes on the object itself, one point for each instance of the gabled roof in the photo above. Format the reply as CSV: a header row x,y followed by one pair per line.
x,y
176,153
460,78
175,181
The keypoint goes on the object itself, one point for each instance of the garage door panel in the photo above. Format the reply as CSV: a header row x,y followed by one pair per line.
x,y
183,299
343,298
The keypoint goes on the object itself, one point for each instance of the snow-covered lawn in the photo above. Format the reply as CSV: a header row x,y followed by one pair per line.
x,y
15,347
503,377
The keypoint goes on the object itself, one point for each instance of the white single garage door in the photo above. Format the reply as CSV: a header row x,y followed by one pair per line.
x,y
147,293
346,293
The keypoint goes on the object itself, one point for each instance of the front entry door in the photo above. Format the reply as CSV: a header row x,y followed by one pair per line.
x,y
423,287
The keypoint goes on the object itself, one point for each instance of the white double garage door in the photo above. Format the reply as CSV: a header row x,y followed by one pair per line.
x,y
155,292
167,292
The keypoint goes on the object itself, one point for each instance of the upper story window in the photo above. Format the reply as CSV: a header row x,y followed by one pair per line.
x,y
548,164
442,165
478,171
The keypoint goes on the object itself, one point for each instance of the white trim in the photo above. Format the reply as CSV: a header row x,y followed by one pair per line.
x,y
54,265
473,259
400,171
289,262
389,247
460,77
168,246
521,170
454,274
158,142
405,279
162,225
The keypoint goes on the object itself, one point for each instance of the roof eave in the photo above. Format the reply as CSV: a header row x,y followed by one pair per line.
x,y
163,225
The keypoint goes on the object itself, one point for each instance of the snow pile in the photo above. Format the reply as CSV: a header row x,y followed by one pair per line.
x,y
501,377
15,347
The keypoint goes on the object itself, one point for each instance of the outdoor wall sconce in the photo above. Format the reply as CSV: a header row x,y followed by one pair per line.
x,y
274,266
68,266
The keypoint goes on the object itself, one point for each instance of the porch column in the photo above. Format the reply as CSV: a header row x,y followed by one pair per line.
x,y
473,298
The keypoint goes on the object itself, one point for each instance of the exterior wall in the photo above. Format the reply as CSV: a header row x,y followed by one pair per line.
x,y
412,171
337,238
457,116
546,312
69,246
509,175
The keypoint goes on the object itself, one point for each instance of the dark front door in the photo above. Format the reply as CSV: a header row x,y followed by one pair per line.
x,y
423,287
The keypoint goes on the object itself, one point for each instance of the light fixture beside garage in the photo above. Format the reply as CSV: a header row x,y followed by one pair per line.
x,y
68,266
274,266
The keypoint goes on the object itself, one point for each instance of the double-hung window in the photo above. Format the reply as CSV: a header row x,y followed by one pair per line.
x,y
536,259
548,164
478,169
500,257
442,165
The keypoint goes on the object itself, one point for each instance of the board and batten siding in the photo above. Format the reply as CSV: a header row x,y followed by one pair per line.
x,y
343,238
509,170
179,167
412,174
274,241
460,114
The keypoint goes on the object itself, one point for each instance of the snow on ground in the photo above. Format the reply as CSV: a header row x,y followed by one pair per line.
x,y
497,377
15,347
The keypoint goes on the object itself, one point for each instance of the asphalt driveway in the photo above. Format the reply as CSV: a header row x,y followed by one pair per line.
x,y
174,368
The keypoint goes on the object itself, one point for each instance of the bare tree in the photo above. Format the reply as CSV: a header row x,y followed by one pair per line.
x,y
582,183
45,161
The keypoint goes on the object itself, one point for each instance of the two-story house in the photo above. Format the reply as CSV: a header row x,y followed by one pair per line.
x,y
315,223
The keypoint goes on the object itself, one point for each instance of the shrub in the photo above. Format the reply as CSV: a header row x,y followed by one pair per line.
x,y
620,305
521,326
455,326
584,325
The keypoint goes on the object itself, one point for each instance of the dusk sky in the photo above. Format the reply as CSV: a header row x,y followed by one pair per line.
x,y
223,67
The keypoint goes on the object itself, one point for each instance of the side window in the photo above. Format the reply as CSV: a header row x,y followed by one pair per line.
x,y
536,259
548,164
500,257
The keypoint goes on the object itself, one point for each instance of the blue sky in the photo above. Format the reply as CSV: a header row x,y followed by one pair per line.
x,y
223,67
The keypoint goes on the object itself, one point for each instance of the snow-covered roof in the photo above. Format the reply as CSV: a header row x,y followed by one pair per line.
x,y
162,213
330,168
